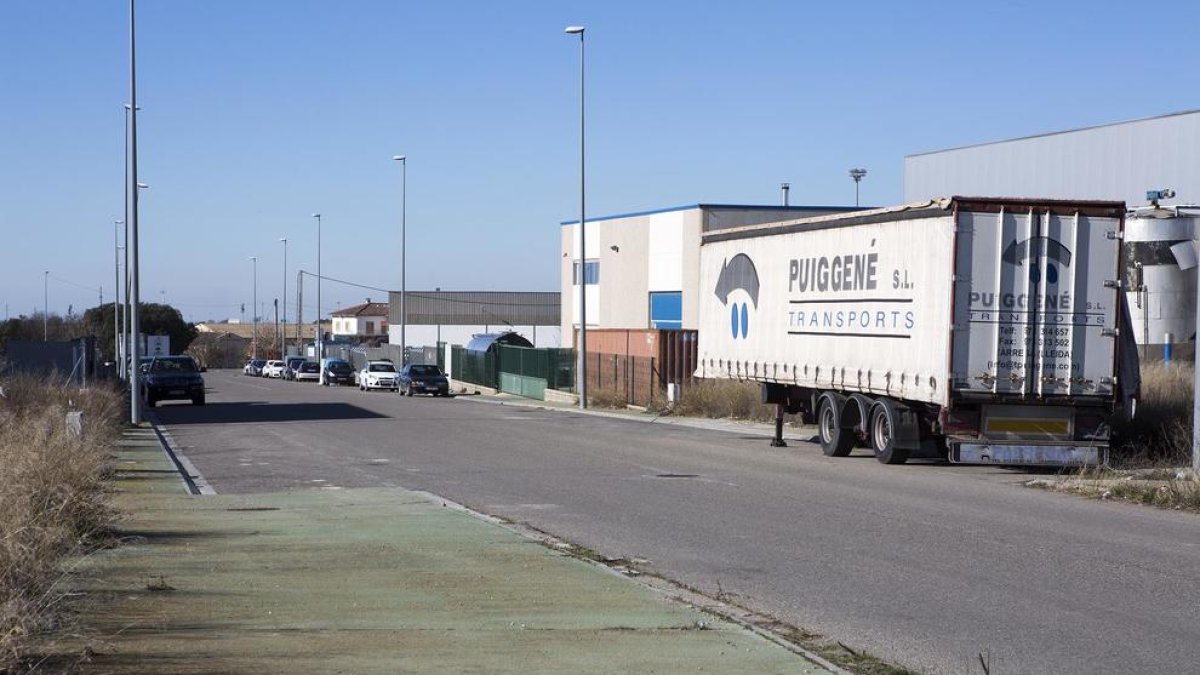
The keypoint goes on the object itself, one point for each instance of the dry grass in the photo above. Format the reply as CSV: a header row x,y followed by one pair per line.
x,y
52,500
607,398
723,399
1160,435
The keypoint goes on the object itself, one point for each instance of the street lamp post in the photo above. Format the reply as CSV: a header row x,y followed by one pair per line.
x,y
254,307
403,159
582,374
117,294
320,337
135,400
283,334
46,306
857,175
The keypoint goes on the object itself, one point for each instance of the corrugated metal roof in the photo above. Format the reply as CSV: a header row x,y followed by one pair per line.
x,y
469,308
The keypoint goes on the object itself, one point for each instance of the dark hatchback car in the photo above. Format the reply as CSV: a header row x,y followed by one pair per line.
x,y
338,371
423,379
169,378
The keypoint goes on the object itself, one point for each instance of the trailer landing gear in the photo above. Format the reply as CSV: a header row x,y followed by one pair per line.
x,y
778,441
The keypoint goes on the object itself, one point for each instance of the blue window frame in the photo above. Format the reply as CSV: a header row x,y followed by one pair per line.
x,y
591,271
666,309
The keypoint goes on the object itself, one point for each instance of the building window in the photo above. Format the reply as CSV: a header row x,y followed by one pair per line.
x,y
370,328
591,272
666,310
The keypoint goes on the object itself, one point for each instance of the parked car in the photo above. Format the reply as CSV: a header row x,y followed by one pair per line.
x,y
254,367
308,371
378,375
338,371
291,366
423,379
172,378
274,368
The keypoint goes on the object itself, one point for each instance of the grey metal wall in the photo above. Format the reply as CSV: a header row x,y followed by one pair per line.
x,y
1111,162
520,308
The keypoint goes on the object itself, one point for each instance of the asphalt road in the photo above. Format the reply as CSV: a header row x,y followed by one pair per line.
x,y
923,565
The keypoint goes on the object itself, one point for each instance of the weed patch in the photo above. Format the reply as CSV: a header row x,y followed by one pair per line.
x,y
607,398
52,500
1160,434
722,399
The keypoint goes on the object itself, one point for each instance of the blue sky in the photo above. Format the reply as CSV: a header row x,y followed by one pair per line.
x,y
257,114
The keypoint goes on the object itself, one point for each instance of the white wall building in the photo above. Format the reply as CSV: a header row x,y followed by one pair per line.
x,y
365,321
643,269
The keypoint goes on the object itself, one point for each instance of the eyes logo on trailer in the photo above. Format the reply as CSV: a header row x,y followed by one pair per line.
x,y
1034,249
738,274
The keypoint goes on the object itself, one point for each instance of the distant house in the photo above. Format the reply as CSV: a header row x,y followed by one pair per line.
x,y
363,323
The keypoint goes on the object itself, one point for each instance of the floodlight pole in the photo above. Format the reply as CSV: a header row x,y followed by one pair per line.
x,y
857,175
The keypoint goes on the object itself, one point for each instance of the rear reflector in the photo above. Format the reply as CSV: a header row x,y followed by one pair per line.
x,y
1027,425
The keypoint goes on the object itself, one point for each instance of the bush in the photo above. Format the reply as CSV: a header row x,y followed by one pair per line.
x,y
1160,434
52,499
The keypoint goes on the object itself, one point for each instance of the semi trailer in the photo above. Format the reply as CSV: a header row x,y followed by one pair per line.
x,y
979,330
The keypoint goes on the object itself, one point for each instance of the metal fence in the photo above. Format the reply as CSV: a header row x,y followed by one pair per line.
x,y
524,371
634,378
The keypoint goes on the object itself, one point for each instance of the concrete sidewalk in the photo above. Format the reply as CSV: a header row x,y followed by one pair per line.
x,y
372,581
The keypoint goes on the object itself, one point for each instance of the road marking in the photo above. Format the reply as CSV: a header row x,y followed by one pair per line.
x,y
192,479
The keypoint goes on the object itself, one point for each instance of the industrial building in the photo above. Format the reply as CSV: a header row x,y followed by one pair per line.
x,y
1119,162
1123,161
643,269
454,317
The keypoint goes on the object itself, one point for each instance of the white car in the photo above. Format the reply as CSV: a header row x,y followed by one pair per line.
x,y
273,369
378,375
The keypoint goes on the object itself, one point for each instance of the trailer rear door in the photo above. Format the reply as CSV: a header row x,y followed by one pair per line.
x,y
1036,299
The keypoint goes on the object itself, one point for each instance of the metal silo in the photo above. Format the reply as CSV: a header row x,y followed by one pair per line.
x,y
1160,267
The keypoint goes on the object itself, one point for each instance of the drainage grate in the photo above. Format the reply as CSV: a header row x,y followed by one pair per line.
x,y
677,475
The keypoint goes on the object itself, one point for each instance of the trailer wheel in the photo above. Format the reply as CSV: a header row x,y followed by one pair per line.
x,y
882,433
835,441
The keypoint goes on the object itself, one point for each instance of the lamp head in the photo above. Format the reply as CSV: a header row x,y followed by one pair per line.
x,y
574,30
399,158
